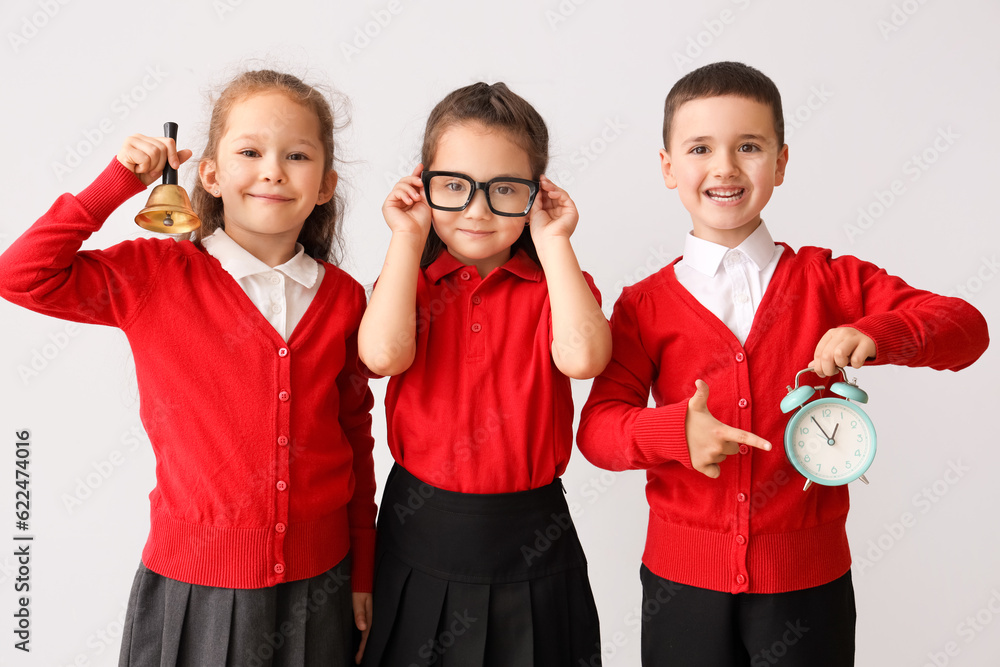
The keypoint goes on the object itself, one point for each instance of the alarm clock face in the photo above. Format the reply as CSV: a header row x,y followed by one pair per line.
x,y
830,441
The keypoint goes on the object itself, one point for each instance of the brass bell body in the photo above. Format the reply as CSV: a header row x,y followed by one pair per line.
x,y
168,210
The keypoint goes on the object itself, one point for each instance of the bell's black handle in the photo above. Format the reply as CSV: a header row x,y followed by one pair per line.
x,y
169,173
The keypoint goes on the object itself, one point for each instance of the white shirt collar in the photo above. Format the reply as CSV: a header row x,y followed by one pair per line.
x,y
239,263
706,257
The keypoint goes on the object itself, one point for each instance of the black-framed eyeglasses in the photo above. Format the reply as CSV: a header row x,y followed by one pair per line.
x,y
452,191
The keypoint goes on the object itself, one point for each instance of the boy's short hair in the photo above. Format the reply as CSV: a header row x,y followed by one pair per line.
x,y
724,78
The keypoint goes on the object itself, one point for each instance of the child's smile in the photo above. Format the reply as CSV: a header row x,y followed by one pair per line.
x,y
270,173
476,235
726,195
270,198
724,161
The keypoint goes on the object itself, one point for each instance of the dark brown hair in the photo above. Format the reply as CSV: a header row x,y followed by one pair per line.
x,y
725,78
320,235
494,107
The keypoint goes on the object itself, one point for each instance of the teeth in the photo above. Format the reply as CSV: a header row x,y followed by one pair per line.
x,y
725,195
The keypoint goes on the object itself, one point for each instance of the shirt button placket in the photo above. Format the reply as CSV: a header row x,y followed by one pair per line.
x,y
745,474
283,460
476,314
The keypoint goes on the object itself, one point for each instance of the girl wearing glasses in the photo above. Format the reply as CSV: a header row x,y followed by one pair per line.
x,y
481,315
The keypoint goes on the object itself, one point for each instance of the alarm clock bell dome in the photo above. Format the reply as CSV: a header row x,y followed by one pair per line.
x,y
849,391
796,397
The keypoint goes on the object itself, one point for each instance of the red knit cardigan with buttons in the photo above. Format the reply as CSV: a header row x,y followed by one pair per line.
x,y
752,529
264,470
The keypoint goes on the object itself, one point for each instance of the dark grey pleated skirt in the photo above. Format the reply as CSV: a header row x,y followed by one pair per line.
x,y
479,580
302,623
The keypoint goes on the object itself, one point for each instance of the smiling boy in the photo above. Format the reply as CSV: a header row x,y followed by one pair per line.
x,y
745,567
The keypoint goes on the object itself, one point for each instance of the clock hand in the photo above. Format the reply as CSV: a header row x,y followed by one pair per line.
x,y
819,427
836,426
829,440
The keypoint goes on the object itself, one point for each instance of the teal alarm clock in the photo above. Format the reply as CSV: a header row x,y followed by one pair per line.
x,y
831,441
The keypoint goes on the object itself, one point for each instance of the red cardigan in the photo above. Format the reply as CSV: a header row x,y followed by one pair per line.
x,y
264,470
752,530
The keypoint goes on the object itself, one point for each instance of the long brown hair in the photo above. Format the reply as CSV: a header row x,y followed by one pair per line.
x,y
494,107
320,235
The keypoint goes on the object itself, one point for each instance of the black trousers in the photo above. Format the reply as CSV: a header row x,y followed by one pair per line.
x,y
687,626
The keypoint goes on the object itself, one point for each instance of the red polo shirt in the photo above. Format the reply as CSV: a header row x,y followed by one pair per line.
x,y
483,408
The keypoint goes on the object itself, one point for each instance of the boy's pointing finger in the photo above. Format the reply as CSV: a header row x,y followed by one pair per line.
x,y
747,438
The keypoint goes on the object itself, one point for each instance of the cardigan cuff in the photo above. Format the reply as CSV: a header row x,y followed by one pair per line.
x,y
659,435
111,189
362,560
894,340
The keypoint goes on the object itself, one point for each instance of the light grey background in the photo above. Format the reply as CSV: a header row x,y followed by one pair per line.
x,y
868,88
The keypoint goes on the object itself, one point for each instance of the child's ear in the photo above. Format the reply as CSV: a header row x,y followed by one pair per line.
x,y
666,167
779,171
327,188
209,175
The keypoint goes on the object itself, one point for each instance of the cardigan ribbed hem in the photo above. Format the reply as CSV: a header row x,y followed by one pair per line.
x,y
660,435
776,562
244,557
112,188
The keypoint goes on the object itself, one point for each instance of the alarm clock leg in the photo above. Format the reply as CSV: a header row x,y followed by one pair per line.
x,y
808,484
863,479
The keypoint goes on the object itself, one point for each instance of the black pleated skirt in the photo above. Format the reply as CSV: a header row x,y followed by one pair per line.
x,y
302,623
479,580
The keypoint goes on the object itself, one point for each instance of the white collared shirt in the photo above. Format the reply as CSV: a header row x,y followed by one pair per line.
x,y
282,294
730,282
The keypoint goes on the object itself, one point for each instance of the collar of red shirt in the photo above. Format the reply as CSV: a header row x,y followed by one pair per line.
x,y
520,265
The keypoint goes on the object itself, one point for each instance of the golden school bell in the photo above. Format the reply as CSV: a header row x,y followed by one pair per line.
x,y
168,210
